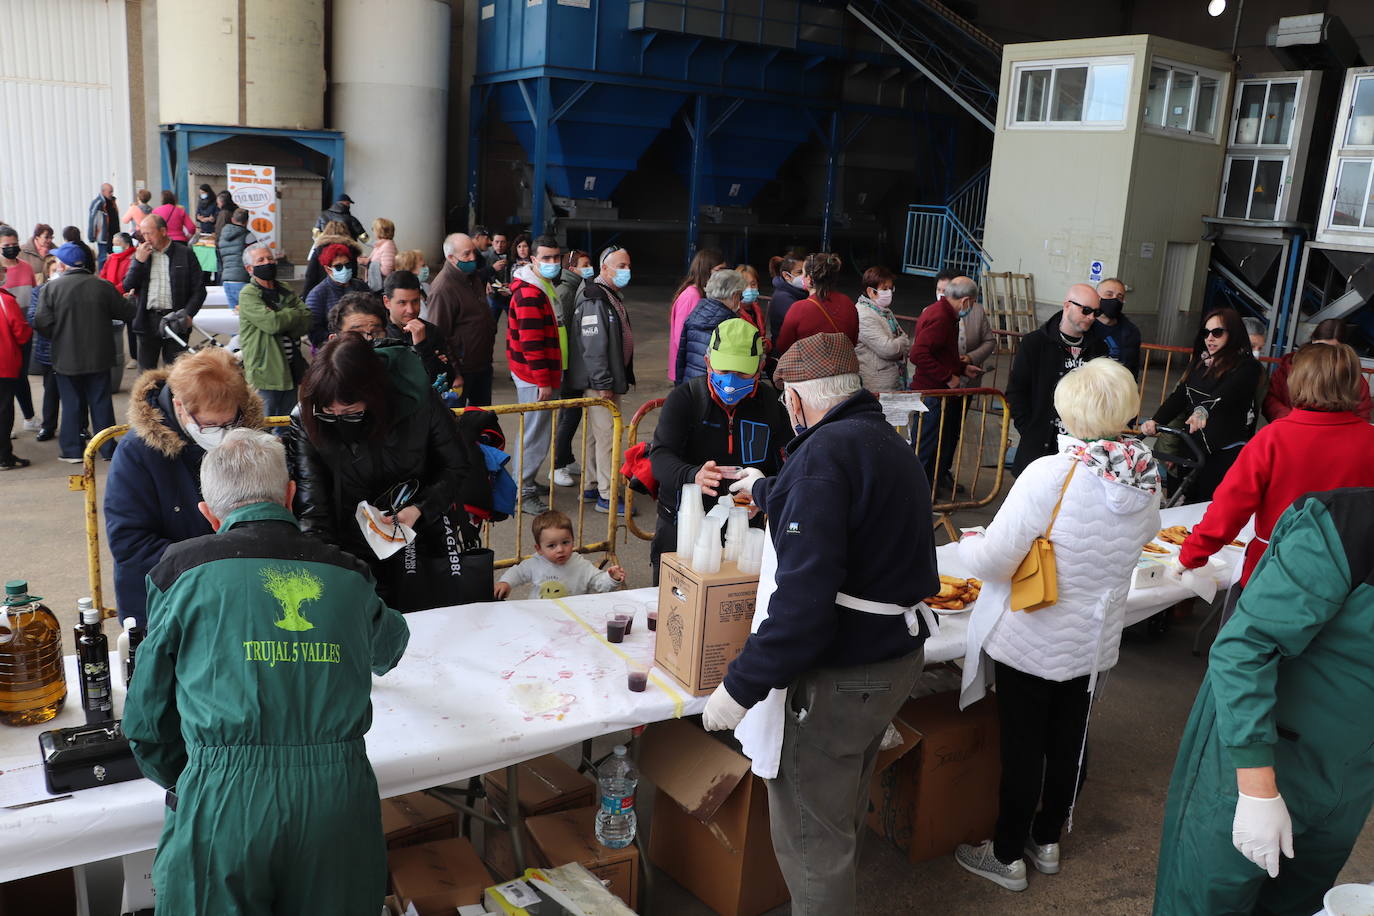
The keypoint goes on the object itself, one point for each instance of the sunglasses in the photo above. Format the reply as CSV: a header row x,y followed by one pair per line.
x,y
1086,310
1214,332
326,417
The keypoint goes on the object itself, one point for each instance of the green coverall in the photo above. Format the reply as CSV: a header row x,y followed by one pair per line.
x,y
251,697
1290,685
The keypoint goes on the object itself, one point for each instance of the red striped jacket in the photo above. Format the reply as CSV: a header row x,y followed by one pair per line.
x,y
532,336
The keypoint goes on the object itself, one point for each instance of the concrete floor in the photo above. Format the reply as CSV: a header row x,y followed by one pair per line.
x,y
1109,859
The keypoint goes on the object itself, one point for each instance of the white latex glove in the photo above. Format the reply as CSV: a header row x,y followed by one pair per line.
x,y
722,711
1174,569
745,483
1261,829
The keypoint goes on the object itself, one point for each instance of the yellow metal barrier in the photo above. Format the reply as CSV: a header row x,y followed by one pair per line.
x,y
979,450
645,409
85,482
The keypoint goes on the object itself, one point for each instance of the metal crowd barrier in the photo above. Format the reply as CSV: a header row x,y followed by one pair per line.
x,y
647,408
977,452
86,482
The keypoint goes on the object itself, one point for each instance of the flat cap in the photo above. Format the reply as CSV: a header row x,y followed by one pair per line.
x,y
817,356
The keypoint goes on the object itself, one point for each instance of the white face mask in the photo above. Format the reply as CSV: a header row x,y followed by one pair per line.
x,y
884,297
206,440
799,281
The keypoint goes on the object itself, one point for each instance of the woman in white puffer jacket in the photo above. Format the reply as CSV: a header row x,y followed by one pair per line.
x,y
1045,663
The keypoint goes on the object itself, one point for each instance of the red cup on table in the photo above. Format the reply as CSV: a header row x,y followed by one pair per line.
x,y
615,627
637,675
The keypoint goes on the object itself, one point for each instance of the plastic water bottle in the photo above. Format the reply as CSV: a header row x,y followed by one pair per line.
x,y
615,822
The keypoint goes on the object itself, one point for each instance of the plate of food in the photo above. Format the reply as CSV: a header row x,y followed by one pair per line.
x,y
956,595
1154,550
1175,534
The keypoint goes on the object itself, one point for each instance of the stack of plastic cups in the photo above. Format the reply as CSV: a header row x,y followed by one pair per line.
x,y
735,530
706,554
689,516
751,552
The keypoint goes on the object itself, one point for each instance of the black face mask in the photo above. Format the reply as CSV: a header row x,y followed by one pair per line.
x,y
1111,308
350,433
267,273
10,252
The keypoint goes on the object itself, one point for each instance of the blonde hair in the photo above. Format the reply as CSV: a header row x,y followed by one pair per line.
x,y
209,380
1097,400
1325,376
410,260
750,274
383,228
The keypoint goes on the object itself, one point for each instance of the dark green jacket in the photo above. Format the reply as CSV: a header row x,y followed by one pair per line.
x,y
261,328
257,636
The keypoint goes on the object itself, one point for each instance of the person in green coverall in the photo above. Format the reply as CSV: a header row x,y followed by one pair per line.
x,y
250,700
1278,755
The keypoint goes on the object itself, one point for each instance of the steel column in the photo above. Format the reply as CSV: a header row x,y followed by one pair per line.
x,y
477,110
180,176
699,129
833,155
543,110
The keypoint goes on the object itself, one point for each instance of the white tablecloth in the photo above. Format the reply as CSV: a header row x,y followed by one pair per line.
x,y
1141,604
481,686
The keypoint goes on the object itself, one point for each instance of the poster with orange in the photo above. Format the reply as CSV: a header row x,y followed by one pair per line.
x,y
254,187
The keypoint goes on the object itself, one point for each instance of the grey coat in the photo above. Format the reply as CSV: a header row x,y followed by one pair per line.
x,y
881,353
75,312
979,343
596,344
233,240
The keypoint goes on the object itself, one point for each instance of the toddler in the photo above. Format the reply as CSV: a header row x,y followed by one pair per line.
x,y
556,570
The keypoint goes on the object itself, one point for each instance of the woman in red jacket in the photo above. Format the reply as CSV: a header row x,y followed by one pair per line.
x,y
1277,402
14,333
824,311
1320,445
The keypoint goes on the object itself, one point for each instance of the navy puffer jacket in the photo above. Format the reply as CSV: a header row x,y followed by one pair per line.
x,y
696,337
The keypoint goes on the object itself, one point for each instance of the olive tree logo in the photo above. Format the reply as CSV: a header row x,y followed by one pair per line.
x,y
292,588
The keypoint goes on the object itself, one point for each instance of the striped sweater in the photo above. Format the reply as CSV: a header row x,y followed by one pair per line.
x,y
532,334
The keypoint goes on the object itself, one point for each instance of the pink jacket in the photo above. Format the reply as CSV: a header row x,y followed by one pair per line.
x,y
179,225
682,307
384,253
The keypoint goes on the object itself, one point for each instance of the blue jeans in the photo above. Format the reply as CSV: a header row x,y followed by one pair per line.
x,y
232,289
79,393
939,432
102,251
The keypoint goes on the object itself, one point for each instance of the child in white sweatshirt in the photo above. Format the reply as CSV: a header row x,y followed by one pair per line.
x,y
555,570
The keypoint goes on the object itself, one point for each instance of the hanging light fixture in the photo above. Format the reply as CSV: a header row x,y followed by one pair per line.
x,y
1216,8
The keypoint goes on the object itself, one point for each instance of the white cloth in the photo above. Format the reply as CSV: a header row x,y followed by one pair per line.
x,y
384,539
1097,539
760,732
578,576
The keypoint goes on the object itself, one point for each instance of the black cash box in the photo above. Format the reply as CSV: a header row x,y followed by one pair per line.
x,y
86,756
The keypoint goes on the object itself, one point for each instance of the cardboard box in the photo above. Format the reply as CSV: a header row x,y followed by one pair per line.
x,y
409,820
546,785
710,829
703,621
438,877
570,836
939,788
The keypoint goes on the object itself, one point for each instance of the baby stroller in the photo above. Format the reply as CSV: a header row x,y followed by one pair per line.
x,y
1185,467
206,341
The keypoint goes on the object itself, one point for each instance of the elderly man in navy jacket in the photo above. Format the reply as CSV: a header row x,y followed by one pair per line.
x,y
849,522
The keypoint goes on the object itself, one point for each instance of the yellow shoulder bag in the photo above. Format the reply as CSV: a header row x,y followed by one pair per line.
x,y
1035,584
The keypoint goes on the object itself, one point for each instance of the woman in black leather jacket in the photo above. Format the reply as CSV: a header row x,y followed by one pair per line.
x,y
367,422
1217,393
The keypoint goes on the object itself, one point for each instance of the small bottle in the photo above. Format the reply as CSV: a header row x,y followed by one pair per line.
x,y
33,682
93,657
616,821
128,643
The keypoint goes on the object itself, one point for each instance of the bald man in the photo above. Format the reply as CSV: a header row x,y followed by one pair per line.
x,y
458,308
1068,340
102,222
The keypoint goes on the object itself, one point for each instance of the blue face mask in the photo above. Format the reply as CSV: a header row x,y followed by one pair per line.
x,y
964,312
586,272
424,272
549,271
731,387
466,267
341,274
622,277
749,295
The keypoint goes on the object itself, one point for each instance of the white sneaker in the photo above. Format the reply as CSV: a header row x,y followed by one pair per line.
x,y
33,424
981,861
1044,858
563,477
575,469
70,460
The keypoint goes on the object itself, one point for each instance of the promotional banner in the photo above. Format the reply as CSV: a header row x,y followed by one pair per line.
x,y
253,187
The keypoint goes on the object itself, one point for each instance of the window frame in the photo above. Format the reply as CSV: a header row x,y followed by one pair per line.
x,y
1328,231
1269,84
1069,63
1348,115
1365,214
1199,74
1256,157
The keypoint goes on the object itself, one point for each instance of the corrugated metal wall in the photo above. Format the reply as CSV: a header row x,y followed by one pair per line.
x,y
64,106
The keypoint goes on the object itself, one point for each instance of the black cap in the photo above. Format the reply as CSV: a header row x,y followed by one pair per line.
x,y
481,230
345,199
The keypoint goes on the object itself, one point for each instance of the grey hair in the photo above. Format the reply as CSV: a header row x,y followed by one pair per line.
x,y
248,467
1253,326
248,254
960,288
451,243
723,284
825,393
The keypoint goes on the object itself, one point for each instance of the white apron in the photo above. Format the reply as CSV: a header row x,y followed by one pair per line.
x,y
760,731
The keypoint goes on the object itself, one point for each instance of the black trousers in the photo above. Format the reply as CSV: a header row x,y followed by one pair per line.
x,y
1042,725
51,400
9,390
22,393
151,347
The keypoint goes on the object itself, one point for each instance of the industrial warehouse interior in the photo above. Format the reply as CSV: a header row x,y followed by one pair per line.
x,y
675,457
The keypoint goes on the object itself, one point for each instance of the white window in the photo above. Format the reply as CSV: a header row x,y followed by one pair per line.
x,y
1360,129
1182,100
1265,110
1348,202
1254,186
1085,93
1350,205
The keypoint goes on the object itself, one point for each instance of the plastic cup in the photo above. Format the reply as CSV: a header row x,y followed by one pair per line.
x,y
729,472
637,675
615,628
628,618
1349,900
653,621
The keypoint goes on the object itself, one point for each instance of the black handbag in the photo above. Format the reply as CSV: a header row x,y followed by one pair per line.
x,y
446,565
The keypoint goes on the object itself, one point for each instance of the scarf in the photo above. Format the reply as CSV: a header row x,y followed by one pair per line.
x,y
1125,461
618,303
